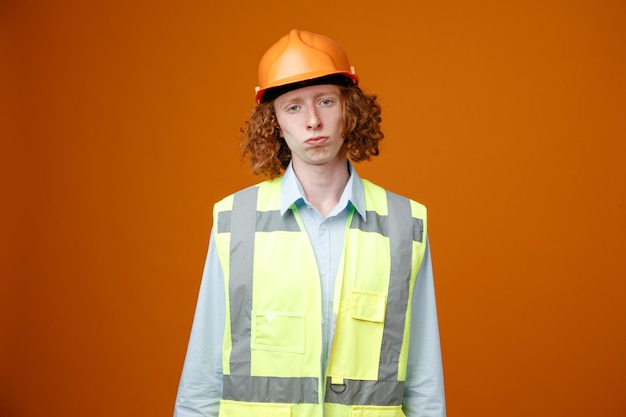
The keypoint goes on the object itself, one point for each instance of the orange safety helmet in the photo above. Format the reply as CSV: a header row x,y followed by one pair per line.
x,y
300,57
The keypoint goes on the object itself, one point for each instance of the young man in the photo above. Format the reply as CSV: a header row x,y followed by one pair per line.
x,y
317,297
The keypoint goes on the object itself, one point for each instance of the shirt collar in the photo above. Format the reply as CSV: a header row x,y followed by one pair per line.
x,y
293,193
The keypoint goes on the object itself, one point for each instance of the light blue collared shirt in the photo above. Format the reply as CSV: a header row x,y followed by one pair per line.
x,y
200,388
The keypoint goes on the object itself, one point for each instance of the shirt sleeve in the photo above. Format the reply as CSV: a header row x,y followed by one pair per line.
x,y
200,386
424,389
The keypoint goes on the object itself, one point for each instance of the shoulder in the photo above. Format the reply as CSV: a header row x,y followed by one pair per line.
x,y
248,194
377,191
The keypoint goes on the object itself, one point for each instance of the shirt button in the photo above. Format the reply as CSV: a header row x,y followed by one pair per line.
x,y
323,272
323,227
323,321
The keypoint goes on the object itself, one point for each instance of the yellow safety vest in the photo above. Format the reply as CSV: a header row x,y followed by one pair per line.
x,y
273,338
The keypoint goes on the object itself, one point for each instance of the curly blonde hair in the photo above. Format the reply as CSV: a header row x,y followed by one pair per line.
x,y
269,154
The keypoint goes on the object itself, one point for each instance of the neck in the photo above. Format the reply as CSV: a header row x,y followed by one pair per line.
x,y
323,185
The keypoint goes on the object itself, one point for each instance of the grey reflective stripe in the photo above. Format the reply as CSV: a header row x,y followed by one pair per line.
x,y
270,389
401,228
378,224
242,223
401,247
375,223
223,222
240,286
418,229
272,221
266,221
358,392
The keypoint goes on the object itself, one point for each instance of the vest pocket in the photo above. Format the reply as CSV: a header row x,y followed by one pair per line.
x,y
358,338
376,411
240,409
278,331
368,306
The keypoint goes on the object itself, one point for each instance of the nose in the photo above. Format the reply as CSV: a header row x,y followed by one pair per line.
x,y
313,120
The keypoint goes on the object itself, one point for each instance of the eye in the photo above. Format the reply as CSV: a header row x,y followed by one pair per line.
x,y
326,102
293,108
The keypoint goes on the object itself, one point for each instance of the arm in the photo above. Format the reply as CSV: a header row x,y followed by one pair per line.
x,y
200,387
424,391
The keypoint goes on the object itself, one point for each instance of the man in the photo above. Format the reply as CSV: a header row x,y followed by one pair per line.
x,y
317,297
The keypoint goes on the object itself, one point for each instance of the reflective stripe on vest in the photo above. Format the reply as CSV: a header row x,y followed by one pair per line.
x,y
401,228
239,384
400,237
242,221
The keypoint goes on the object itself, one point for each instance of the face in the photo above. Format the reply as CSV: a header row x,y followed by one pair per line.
x,y
311,121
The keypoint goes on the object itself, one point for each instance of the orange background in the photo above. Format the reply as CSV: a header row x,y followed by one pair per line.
x,y
119,131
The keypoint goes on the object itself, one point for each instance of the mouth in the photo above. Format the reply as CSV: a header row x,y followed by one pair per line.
x,y
317,140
